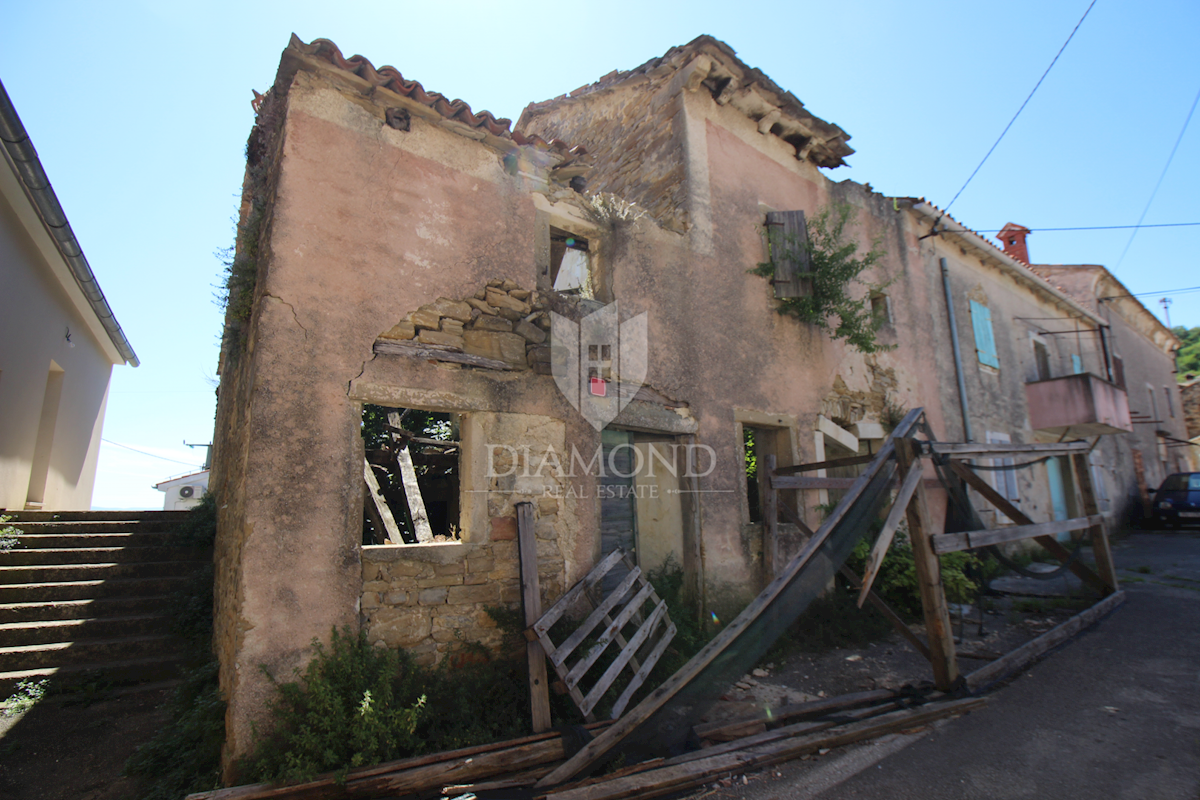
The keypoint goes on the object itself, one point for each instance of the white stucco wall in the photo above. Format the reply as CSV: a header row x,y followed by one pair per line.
x,y
35,313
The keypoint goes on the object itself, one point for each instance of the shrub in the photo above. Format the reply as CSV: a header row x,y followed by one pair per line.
x,y
897,579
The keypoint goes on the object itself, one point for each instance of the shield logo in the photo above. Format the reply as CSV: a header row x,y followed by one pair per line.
x,y
598,363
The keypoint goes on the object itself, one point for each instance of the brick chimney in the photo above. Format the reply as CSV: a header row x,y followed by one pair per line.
x,y
1012,236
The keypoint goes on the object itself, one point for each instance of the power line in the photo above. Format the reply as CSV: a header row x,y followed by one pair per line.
x,y
1097,227
152,455
1022,108
1166,167
1147,294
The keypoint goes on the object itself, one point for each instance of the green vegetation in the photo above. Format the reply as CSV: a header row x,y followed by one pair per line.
x,y
1188,357
26,696
897,579
8,534
834,268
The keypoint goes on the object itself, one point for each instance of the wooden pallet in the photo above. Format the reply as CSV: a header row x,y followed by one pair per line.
x,y
632,603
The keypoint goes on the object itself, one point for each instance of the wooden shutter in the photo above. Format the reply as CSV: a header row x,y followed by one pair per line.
x,y
985,342
1118,371
787,233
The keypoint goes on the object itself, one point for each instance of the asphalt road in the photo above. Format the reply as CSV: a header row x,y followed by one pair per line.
x,y
1115,713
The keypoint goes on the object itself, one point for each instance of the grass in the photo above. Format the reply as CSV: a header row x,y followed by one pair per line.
x,y
26,696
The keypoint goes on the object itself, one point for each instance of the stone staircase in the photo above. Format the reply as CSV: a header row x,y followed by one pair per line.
x,y
86,596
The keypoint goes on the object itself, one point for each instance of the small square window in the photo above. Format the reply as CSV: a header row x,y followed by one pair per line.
x,y
881,309
570,263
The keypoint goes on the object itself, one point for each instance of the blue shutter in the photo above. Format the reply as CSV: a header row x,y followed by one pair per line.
x,y
1076,363
985,343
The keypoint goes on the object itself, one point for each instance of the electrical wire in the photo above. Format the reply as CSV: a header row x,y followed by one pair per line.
x,y
1096,227
1166,167
152,455
1147,294
1022,108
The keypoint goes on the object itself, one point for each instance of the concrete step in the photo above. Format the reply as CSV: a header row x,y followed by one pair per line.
x,y
16,634
39,556
86,589
93,572
42,541
113,526
92,516
128,671
90,608
96,652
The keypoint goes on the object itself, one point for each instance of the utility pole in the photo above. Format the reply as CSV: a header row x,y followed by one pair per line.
x,y
1166,304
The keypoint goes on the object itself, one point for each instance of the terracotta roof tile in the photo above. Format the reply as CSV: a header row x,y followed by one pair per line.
x,y
457,110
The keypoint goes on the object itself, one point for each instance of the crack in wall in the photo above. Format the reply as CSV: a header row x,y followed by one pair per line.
x,y
292,307
350,383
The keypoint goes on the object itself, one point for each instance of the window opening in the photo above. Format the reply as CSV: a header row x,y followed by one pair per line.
x,y
1041,357
881,308
1118,371
570,263
412,475
1076,364
1170,402
753,492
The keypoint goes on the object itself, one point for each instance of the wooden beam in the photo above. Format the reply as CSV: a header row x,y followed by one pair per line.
x,y
564,603
429,353
880,604
531,603
1099,536
1051,544
833,463
1026,653
969,540
729,636
970,449
884,540
793,482
770,511
728,730
391,529
412,490
929,577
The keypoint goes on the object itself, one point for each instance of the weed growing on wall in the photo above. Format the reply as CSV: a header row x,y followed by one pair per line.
x,y
8,534
835,267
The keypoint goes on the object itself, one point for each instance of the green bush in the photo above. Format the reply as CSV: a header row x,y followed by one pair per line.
x,y
897,579
8,534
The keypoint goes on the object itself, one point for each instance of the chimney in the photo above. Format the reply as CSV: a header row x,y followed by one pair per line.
x,y
1012,236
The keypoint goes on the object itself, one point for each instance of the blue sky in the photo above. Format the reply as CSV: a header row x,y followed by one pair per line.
x,y
140,113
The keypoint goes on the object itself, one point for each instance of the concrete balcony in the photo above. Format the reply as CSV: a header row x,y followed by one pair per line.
x,y
1078,405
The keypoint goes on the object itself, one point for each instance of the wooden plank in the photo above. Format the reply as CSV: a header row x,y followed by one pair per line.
x,y
605,639
770,511
391,529
793,482
598,615
1051,544
727,637
531,603
431,353
643,671
929,577
412,490
527,752
614,669
1099,536
575,592
675,777
833,463
878,602
729,730
1027,652
884,540
970,449
969,540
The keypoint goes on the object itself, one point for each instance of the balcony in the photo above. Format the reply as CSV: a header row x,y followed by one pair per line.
x,y
1077,406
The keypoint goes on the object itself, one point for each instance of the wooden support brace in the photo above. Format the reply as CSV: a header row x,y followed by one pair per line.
x,y
531,601
929,577
1100,548
392,530
770,510
1051,544
884,541
969,540
412,490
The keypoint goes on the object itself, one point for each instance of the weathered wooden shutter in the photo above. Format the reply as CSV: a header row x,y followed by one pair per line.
x,y
787,234
985,342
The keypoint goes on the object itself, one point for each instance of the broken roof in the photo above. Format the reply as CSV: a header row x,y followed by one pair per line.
x,y
733,82
455,110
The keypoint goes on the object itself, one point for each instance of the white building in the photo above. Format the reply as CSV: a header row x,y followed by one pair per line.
x,y
183,492
59,339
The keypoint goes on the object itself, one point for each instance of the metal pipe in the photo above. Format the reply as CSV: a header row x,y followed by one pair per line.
x,y
958,368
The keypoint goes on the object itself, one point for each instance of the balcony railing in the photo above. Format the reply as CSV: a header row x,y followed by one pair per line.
x,y
1078,405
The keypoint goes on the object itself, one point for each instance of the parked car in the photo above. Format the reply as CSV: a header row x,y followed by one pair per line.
x,y
1177,501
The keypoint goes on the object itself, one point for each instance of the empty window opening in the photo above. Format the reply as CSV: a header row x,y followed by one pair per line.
x,y
753,492
1041,357
1170,402
570,263
757,444
1118,371
411,474
881,309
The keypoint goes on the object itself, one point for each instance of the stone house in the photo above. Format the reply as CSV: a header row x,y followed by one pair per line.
x,y
59,339
401,256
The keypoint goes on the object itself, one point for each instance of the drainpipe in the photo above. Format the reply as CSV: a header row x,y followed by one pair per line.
x,y
958,368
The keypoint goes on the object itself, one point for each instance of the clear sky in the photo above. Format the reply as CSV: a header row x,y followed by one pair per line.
x,y
140,112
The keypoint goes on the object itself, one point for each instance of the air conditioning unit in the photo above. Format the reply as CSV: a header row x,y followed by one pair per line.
x,y
186,491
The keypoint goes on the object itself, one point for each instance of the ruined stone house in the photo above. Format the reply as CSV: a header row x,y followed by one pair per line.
x,y
400,256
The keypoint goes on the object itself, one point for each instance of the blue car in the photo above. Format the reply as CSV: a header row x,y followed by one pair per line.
x,y
1177,501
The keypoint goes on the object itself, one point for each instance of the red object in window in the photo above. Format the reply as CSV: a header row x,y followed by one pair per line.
x,y
598,387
